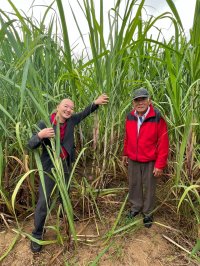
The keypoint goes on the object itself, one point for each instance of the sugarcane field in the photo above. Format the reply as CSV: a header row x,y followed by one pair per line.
x,y
100,133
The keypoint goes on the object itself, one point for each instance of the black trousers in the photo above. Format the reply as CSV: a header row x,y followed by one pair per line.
x,y
41,207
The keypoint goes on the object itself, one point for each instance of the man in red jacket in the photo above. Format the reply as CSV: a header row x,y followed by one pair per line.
x,y
146,147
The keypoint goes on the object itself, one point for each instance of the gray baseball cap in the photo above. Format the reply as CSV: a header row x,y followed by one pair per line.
x,y
141,92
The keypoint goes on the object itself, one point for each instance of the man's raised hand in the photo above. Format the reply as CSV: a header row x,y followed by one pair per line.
x,y
102,99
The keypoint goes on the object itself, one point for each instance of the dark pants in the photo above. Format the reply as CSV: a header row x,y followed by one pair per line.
x,y
142,186
41,207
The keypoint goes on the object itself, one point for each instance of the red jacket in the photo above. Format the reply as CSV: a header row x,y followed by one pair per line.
x,y
152,143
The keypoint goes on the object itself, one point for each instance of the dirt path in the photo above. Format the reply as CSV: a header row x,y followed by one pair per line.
x,y
143,247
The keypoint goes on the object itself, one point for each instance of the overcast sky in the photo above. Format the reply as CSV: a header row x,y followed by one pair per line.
x,y
153,7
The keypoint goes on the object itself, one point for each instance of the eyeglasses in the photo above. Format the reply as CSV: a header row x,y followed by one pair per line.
x,y
140,99
69,107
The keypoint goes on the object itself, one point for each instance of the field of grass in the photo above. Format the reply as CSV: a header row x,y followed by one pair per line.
x,y
38,69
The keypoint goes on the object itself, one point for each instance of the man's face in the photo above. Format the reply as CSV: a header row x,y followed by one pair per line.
x,y
65,110
141,105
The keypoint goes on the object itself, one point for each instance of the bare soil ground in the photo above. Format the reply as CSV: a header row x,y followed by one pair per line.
x,y
139,247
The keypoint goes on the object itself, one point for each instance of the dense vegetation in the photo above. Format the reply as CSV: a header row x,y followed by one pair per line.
x,y
38,69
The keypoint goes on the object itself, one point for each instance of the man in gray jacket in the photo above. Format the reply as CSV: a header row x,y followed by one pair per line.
x,y
67,121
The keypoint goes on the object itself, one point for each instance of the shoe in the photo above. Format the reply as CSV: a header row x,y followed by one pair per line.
x,y
132,214
35,247
148,220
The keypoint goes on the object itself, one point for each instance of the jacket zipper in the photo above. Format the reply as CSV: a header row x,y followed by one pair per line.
x,y
138,133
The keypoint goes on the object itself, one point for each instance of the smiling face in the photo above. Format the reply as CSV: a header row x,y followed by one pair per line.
x,y
141,105
65,110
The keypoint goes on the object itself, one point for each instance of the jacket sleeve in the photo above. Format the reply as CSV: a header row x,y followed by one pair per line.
x,y
162,145
35,141
125,141
82,115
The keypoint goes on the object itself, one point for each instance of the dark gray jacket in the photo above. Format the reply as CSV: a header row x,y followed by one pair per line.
x,y
68,141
